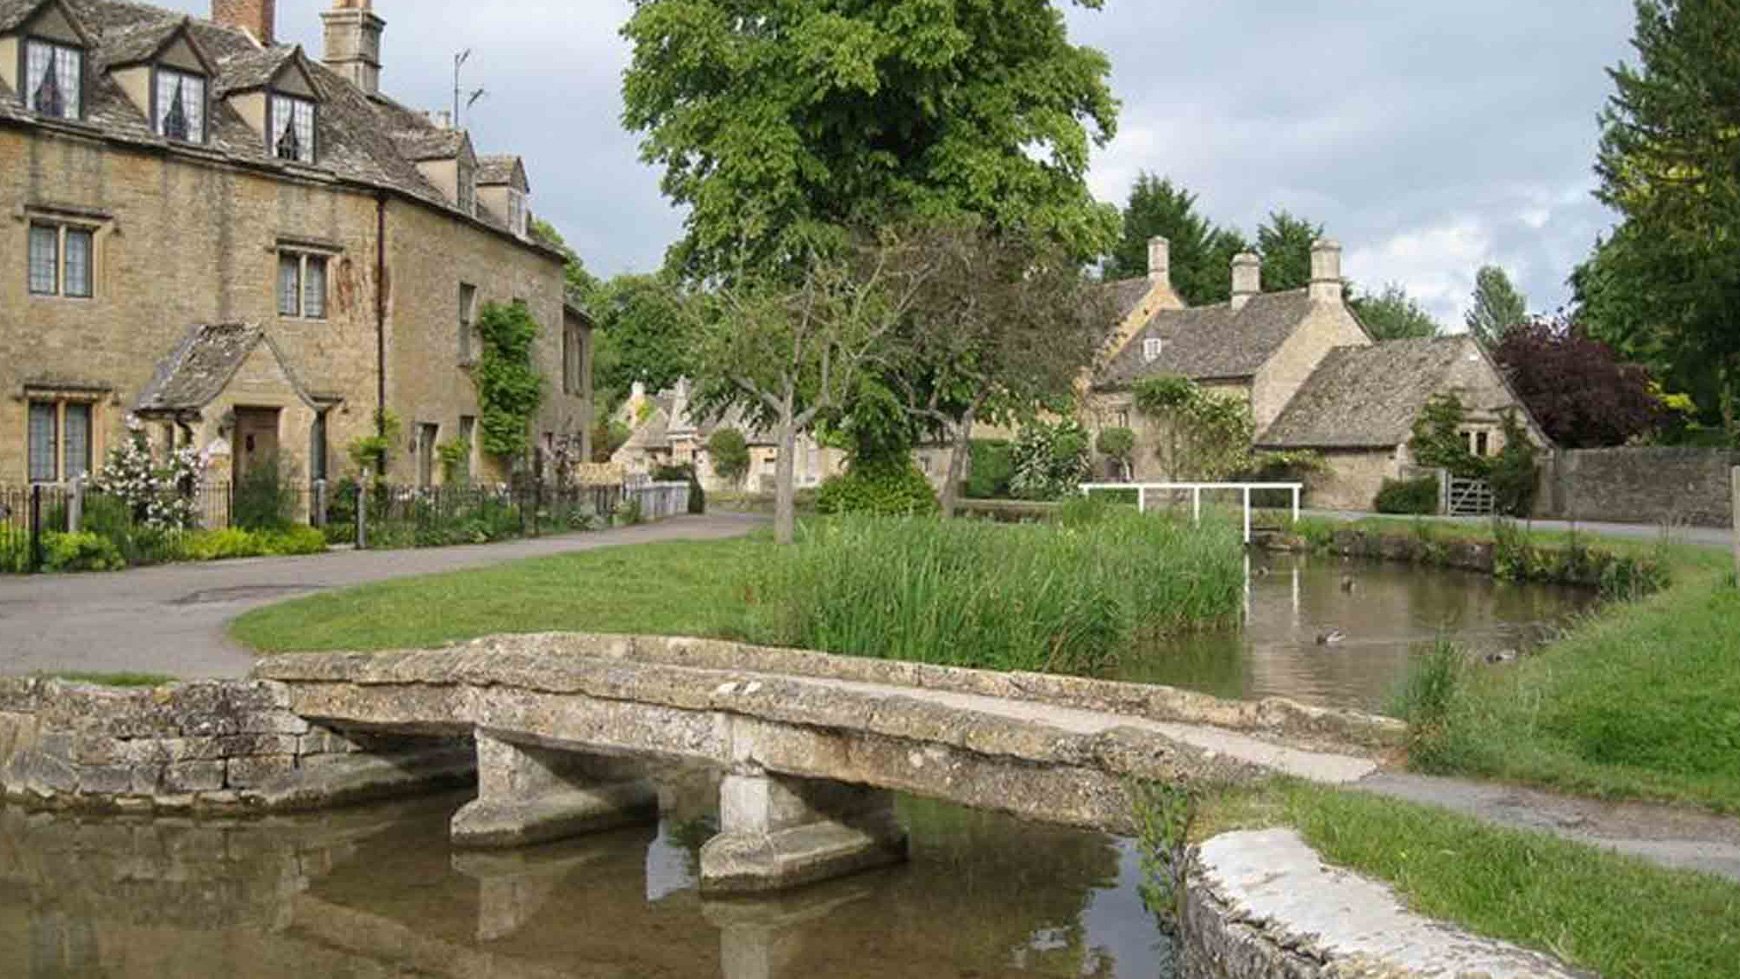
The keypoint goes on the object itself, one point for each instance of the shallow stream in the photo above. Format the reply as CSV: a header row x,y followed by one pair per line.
x,y
378,892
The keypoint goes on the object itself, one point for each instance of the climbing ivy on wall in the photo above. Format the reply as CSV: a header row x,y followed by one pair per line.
x,y
1207,437
509,388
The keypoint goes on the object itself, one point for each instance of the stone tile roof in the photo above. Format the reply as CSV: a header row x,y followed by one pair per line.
x,y
131,45
1210,342
1366,397
1127,294
201,367
430,144
497,169
358,134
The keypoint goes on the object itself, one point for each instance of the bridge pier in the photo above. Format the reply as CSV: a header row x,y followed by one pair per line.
x,y
527,795
778,832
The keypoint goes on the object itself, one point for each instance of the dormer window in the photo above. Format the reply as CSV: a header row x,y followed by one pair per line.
x,y
54,77
1151,348
291,134
179,107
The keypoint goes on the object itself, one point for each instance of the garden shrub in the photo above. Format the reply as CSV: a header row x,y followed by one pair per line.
x,y
237,542
1513,477
888,489
82,551
729,452
264,498
1051,461
1408,496
990,467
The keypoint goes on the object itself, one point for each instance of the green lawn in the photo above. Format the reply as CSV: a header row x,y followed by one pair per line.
x,y
674,588
1617,916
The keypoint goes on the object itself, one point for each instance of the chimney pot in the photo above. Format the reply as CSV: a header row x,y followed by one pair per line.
x,y
1326,282
257,17
353,43
1247,278
1160,260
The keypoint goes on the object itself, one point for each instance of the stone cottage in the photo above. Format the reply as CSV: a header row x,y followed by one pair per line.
x,y
246,249
665,430
1312,375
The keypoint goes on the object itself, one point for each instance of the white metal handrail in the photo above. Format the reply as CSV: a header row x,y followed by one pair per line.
x,y
1196,490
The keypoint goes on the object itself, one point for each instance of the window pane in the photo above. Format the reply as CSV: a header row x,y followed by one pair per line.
x,y
314,288
180,106
44,259
42,441
467,314
292,128
78,442
78,262
289,285
53,75
317,449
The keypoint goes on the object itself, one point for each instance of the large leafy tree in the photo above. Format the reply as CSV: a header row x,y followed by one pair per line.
x,y
1392,314
1498,306
642,335
1670,165
1284,241
1202,254
781,126
1576,387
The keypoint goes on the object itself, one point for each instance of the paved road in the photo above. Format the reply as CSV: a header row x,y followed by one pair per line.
x,y
171,620
1702,536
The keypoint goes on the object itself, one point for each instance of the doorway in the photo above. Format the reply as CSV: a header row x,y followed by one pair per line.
x,y
256,440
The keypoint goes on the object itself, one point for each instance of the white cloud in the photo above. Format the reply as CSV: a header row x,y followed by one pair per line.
x,y
1436,263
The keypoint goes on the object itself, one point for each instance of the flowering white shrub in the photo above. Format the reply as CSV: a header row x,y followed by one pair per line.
x,y
164,496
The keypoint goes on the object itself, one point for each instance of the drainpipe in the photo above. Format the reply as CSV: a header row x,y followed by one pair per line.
x,y
381,287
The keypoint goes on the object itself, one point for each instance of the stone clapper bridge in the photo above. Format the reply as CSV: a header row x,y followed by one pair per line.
x,y
572,732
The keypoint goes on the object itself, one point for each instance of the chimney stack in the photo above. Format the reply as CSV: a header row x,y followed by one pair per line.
x,y
1160,260
353,43
257,17
1326,283
1247,278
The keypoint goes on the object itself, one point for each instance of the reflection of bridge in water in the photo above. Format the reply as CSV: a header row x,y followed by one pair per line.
x,y
569,728
379,892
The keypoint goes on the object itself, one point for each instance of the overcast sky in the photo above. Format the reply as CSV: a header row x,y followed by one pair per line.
x,y
1429,137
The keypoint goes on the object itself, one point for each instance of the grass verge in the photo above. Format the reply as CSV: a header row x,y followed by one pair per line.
x,y
125,681
1596,910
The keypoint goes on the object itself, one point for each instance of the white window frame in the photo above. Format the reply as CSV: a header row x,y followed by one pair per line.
x,y
63,230
517,211
304,260
1152,348
468,306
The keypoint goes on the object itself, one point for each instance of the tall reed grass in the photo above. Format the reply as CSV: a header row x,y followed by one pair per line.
x,y
1061,597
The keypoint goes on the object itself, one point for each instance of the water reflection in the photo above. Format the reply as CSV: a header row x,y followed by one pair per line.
x,y
378,892
1384,609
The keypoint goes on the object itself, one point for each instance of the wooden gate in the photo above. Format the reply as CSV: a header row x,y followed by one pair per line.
x,y
1469,498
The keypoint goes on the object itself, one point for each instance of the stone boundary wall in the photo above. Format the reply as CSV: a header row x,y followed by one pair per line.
x,y
217,747
1639,485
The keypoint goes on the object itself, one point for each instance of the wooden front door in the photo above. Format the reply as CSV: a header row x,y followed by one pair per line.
x,y
256,439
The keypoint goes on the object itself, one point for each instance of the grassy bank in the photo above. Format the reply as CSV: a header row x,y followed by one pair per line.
x,y
1639,700
1063,597
1596,910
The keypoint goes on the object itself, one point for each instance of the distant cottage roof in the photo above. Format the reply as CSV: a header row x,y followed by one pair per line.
x,y
1367,397
1210,342
202,365
359,135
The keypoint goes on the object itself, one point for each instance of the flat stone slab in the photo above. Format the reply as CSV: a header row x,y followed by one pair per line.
x,y
743,863
1274,889
552,816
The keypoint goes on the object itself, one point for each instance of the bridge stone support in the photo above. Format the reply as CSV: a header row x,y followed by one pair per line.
x,y
528,794
777,832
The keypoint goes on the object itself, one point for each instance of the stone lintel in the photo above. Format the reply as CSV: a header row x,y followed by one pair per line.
x,y
529,795
780,832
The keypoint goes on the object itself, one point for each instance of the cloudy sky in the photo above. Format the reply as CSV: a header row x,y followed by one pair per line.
x,y
1429,137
